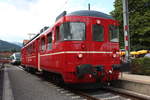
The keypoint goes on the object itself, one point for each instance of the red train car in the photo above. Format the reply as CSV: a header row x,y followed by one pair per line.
x,y
81,47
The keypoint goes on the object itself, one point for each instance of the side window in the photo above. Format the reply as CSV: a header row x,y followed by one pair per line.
x,y
39,44
28,51
98,32
57,33
114,33
33,47
43,44
49,41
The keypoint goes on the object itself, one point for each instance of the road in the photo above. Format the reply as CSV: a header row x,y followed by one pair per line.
x,y
26,86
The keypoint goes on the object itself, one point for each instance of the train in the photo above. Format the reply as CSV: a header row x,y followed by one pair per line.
x,y
81,47
15,58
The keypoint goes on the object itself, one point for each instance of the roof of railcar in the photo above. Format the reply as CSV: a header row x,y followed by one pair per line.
x,y
90,13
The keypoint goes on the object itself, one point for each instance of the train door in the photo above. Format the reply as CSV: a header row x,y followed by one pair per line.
x,y
114,42
100,44
23,60
58,55
42,53
73,34
71,44
38,54
49,63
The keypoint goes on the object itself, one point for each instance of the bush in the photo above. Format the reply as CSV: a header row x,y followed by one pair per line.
x,y
141,66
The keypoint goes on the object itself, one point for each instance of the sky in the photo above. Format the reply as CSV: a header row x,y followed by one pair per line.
x,y
18,18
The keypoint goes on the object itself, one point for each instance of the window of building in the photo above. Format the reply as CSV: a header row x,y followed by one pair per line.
x,y
49,41
72,31
98,32
114,33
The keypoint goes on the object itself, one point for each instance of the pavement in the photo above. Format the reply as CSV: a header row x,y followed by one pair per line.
x,y
1,83
136,83
25,86
135,78
21,85
7,90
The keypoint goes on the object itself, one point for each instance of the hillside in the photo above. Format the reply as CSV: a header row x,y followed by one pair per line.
x,y
17,43
7,46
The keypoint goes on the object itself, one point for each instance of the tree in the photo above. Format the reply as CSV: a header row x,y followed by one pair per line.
x,y
139,23
13,50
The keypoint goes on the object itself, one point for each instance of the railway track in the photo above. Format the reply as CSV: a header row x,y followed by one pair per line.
x,y
103,94
107,93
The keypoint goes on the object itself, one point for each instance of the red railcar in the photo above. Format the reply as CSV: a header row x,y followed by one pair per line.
x,y
81,47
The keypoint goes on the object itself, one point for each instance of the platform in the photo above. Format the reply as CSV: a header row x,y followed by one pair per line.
x,y
135,83
135,78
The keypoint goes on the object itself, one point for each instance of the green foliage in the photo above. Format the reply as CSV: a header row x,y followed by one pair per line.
x,y
139,22
141,66
13,50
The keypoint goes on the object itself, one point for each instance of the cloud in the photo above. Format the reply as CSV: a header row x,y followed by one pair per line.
x,y
16,22
20,17
22,4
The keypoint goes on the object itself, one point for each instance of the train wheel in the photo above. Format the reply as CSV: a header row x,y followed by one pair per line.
x,y
26,69
58,79
32,70
55,78
45,74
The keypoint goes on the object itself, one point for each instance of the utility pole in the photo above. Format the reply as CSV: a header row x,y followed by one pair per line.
x,y
126,30
89,7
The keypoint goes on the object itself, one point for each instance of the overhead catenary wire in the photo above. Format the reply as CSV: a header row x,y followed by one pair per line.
x,y
62,7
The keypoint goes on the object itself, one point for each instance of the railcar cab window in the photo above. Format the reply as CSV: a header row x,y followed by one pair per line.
x,y
72,31
98,32
42,44
49,41
114,33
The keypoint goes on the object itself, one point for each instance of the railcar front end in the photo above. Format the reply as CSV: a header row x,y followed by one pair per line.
x,y
90,47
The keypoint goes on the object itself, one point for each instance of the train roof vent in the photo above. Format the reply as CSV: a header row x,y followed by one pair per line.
x,y
44,29
61,15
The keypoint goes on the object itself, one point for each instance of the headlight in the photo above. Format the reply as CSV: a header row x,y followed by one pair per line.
x,y
114,55
110,71
80,55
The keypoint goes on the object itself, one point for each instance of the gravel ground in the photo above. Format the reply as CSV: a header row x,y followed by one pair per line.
x,y
26,86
